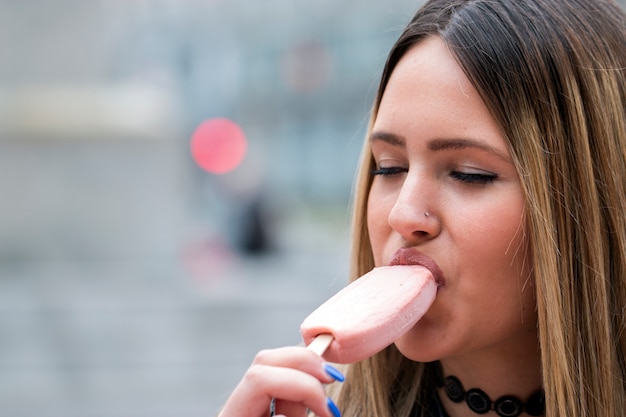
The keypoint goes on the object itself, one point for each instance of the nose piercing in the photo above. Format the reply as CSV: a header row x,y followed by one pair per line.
x,y
426,214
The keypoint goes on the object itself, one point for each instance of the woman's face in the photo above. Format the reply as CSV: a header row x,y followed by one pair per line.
x,y
446,190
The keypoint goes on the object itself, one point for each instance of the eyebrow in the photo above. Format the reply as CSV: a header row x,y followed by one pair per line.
x,y
440,144
390,138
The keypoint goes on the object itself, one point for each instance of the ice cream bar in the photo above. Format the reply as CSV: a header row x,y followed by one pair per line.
x,y
370,313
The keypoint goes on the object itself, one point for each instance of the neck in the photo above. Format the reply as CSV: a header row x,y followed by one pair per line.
x,y
518,376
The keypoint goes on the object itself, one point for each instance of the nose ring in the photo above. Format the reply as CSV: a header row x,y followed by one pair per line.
x,y
426,214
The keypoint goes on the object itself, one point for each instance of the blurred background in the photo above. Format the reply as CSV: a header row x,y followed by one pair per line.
x,y
132,282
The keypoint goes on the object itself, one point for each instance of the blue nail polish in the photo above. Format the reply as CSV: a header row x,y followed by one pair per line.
x,y
334,373
333,408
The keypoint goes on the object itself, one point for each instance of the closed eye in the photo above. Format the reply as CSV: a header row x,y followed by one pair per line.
x,y
389,172
474,178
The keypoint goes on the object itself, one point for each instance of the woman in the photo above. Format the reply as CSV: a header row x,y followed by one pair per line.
x,y
497,151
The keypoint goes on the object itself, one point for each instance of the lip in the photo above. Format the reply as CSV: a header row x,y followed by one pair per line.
x,y
411,256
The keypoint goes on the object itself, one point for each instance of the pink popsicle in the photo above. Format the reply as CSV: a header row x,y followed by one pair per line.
x,y
370,313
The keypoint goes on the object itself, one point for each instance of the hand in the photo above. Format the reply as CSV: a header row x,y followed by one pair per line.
x,y
293,375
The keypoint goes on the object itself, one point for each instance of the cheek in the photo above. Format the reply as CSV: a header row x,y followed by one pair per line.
x,y
505,248
508,235
492,239
377,222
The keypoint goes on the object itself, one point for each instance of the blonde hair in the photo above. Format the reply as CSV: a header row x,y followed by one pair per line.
x,y
552,73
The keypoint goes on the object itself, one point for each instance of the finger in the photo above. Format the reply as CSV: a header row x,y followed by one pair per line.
x,y
295,391
262,383
291,409
302,359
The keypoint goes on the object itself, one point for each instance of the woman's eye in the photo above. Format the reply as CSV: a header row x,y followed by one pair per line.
x,y
388,172
474,178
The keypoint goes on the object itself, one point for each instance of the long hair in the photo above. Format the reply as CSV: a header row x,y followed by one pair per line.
x,y
552,73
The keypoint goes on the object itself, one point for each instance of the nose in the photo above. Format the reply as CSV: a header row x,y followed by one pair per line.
x,y
414,214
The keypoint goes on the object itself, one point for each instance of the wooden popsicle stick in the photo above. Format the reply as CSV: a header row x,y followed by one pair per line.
x,y
321,343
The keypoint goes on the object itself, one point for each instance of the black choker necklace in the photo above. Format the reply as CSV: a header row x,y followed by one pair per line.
x,y
479,402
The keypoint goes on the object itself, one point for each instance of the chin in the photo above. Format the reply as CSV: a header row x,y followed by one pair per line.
x,y
418,351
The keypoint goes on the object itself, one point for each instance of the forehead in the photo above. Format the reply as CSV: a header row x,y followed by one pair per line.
x,y
428,95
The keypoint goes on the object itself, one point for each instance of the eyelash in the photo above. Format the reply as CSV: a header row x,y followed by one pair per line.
x,y
457,175
389,172
473,178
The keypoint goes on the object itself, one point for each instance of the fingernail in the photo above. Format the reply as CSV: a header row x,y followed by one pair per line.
x,y
333,408
334,373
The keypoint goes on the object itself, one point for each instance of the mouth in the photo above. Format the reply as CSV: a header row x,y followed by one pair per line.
x,y
411,256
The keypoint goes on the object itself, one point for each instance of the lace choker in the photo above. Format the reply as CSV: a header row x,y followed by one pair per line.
x,y
479,402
